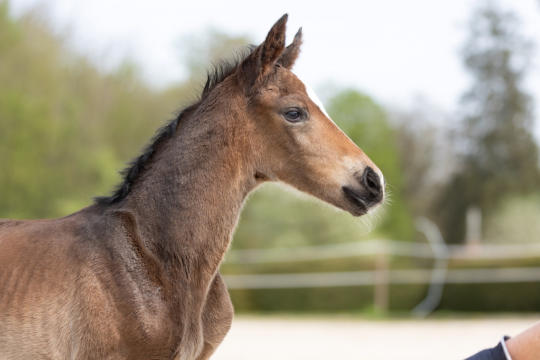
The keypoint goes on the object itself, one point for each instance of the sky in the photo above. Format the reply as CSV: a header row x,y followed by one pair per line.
x,y
396,51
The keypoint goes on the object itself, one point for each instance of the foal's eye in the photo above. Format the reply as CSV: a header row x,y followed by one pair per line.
x,y
294,115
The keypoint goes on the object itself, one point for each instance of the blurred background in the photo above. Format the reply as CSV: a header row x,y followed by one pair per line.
x,y
443,96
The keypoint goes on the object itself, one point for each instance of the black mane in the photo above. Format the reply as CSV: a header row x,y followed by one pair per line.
x,y
131,173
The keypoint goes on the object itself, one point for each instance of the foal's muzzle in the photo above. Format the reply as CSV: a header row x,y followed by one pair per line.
x,y
370,192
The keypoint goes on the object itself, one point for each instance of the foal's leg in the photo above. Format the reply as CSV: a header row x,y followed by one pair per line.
x,y
217,317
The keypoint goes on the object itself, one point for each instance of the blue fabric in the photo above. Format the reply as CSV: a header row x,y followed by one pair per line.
x,y
495,353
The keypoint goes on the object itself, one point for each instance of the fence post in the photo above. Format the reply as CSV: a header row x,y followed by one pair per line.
x,y
381,292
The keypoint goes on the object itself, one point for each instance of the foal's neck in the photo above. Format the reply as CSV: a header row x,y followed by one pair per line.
x,y
188,201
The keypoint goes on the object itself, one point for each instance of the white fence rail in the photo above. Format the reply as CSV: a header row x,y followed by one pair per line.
x,y
382,246
382,276
362,278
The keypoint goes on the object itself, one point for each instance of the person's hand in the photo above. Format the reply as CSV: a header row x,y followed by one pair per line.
x,y
526,345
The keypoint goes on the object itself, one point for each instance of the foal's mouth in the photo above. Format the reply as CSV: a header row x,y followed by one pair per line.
x,y
361,201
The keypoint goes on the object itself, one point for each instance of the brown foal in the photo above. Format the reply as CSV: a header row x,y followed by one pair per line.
x,y
135,275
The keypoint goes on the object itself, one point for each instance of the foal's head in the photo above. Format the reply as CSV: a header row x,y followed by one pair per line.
x,y
299,143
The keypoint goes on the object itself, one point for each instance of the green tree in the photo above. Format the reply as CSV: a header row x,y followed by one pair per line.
x,y
499,156
425,154
65,127
367,125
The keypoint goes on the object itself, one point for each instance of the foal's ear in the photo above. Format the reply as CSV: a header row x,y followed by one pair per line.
x,y
292,51
262,60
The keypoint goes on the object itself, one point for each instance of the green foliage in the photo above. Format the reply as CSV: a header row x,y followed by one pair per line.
x,y
499,155
332,299
279,217
515,221
497,297
65,127
366,124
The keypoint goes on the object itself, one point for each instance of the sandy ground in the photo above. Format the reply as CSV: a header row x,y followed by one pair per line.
x,y
329,338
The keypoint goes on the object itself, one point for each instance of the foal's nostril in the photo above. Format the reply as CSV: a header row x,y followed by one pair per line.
x,y
372,183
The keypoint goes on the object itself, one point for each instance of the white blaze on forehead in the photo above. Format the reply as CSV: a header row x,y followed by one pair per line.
x,y
314,98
